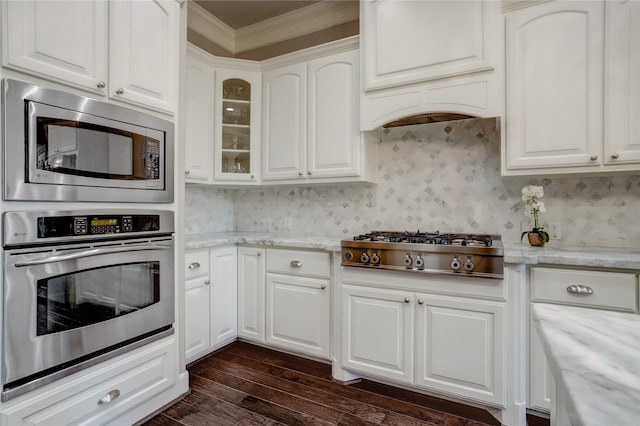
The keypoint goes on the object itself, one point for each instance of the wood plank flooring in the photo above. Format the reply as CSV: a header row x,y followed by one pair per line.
x,y
244,384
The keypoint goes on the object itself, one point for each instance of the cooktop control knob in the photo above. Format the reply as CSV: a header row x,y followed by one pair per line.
x,y
468,264
455,264
408,260
348,256
364,258
419,262
375,259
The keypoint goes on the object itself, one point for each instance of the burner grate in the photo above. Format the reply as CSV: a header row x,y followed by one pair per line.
x,y
436,238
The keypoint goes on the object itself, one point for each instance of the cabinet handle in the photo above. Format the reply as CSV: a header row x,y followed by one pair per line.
x,y
194,265
207,282
120,91
323,286
101,85
580,289
407,300
186,172
295,264
615,156
420,302
109,397
594,158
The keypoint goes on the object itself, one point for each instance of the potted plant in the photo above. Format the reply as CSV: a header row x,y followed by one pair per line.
x,y
531,195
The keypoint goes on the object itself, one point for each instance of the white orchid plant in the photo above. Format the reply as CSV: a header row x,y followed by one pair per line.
x,y
531,196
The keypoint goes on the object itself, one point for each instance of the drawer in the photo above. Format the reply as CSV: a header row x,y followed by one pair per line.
x,y
196,264
611,290
299,262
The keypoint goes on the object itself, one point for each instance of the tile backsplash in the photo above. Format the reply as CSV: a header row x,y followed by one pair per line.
x,y
441,176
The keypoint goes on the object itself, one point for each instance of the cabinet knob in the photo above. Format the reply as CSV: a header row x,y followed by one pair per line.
x,y
207,282
186,172
594,157
253,177
309,173
323,286
194,265
109,397
580,289
420,302
101,85
295,264
615,156
407,300
120,91
299,173
259,253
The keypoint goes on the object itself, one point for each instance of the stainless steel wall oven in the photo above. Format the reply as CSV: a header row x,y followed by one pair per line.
x,y
81,287
63,147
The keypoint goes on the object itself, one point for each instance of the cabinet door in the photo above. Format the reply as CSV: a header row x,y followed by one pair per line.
x,y
298,314
404,41
237,131
540,378
144,52
459,347
333,141
555,85
63,41
251,282
199,118
284,124
622,85
224,295
377,334
196,317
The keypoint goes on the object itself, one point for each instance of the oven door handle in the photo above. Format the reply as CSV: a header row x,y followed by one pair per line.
x,y
88,253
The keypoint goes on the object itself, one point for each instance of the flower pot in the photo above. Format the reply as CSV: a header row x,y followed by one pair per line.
x,y
535,239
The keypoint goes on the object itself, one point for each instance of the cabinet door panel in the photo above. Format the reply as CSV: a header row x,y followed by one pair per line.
x,y
333,129
622,85
285,101
196,318
143,66
199,120
224,294
541,383
298,314
378,333
63,41
251,292
555,85
459,347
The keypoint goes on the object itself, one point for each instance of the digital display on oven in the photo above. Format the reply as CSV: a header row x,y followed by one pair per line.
x,y
104,222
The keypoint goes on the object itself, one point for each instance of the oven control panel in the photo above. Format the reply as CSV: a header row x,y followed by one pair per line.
x,y
69,226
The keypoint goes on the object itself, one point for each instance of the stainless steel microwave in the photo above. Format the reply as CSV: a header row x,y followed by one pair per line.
x,y
63,147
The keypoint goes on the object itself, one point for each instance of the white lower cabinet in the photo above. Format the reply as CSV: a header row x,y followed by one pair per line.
x,y
456,344
129,380
251,282
210,300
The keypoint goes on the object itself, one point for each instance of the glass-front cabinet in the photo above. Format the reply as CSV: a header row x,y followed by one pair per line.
x,y
237,129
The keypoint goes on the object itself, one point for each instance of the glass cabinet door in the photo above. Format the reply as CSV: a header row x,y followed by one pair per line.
x,y
236,134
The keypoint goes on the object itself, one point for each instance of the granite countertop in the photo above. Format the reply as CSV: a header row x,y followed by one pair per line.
x,y
515,253
594,356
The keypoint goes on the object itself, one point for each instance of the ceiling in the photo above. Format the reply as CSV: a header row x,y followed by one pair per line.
x,y
240,13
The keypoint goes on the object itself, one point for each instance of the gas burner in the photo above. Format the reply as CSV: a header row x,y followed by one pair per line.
x,y
470,240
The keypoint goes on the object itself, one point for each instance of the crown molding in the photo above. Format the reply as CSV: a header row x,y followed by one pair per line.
x,y
310,53
210,27
315,17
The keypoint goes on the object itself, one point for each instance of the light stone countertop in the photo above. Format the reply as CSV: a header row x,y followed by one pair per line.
x,y
515,253
594,357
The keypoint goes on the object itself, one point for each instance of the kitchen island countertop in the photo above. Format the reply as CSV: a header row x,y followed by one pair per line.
x,y
594,356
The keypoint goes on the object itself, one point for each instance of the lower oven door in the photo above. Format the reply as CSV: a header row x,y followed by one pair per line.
x,y
68,304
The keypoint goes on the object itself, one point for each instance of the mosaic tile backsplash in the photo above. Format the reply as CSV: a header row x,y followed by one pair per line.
x,y
441,176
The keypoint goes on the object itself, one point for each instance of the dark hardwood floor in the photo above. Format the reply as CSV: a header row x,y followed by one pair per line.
x,y
244,384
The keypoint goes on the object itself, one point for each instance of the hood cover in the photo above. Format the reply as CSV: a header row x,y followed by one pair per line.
x,y
431,117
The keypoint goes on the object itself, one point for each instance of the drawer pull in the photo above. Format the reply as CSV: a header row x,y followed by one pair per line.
x,y
295,264
109,397
323,286
194,265
579,289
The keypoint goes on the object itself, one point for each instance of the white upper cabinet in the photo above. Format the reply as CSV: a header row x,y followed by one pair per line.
x,y
622,84
410,41
144,52
555,85
65,41
125,49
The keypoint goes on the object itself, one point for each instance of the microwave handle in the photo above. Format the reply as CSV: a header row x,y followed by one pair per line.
x,y
88,253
